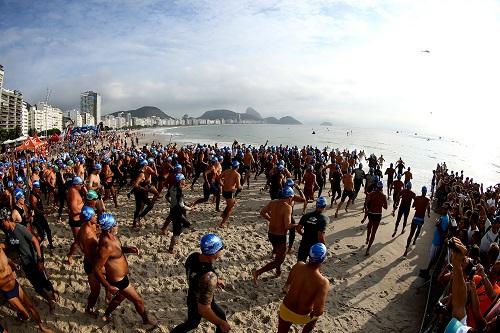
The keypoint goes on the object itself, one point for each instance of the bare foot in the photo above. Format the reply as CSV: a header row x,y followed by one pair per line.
x,y
254,278
150,322
44,328
91,312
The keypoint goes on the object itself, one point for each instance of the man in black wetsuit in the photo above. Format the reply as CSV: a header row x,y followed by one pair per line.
x,y
312,227
203,281
39,220
30,255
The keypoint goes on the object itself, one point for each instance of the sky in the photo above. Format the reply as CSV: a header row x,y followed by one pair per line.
x,y
354,62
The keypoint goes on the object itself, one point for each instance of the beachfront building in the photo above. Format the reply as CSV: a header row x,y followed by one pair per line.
x,y
88,119
25,118
43,116
75,116
11,107
91,102
1,77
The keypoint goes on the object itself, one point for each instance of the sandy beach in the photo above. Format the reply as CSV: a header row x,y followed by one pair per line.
x,y
369,294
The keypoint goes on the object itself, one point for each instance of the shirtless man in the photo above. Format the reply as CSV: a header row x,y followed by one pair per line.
x,y
408,175
396,186
306,291
12,291
231,183
210,185
375,201
421,205
310,184
79,168
278,213
110,255
87,239
348,181
248,161
404,200
108,179
142,187
75,205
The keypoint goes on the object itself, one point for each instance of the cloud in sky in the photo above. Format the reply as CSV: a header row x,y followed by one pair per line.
x,y
354,60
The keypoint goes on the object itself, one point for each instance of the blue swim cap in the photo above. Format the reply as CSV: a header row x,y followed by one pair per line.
x,y
169,159
178,167
287,192
107,221
375,179
19,179
143,163
280,167
77,181
87,213
210,244
317,253
289,182
19,195
10,184
235,164
281,162
424,189
220,158
321,202
179,177
98,166
36,184
349,169
36,168
151,160
408,185
380,184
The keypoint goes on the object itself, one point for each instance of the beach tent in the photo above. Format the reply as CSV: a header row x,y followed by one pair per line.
x,y
32,143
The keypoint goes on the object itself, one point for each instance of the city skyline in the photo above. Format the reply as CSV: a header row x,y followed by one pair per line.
x,y
349,61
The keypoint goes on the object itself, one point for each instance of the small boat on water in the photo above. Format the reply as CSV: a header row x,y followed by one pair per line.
x,y
313,132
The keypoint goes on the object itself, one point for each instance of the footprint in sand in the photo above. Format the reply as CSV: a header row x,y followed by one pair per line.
x,y
352,247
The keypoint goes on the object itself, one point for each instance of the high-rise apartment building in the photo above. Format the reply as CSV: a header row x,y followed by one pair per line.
x,y
90,102
1,77
45,117
12,115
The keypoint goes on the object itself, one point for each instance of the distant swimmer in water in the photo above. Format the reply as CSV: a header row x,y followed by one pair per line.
x,y
313,132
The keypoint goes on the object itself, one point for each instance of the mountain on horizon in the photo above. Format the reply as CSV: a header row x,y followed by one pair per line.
x,y
145,112
250,114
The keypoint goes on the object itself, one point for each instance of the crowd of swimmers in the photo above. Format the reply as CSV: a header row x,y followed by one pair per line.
x,y
79,178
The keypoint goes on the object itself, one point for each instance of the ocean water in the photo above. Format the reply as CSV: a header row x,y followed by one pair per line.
x,y
421,153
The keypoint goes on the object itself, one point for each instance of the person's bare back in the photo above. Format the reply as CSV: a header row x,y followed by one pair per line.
x,y
280,217
307,290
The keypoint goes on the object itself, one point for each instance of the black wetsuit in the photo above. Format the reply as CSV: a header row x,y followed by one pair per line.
x,y
195,270
40,222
